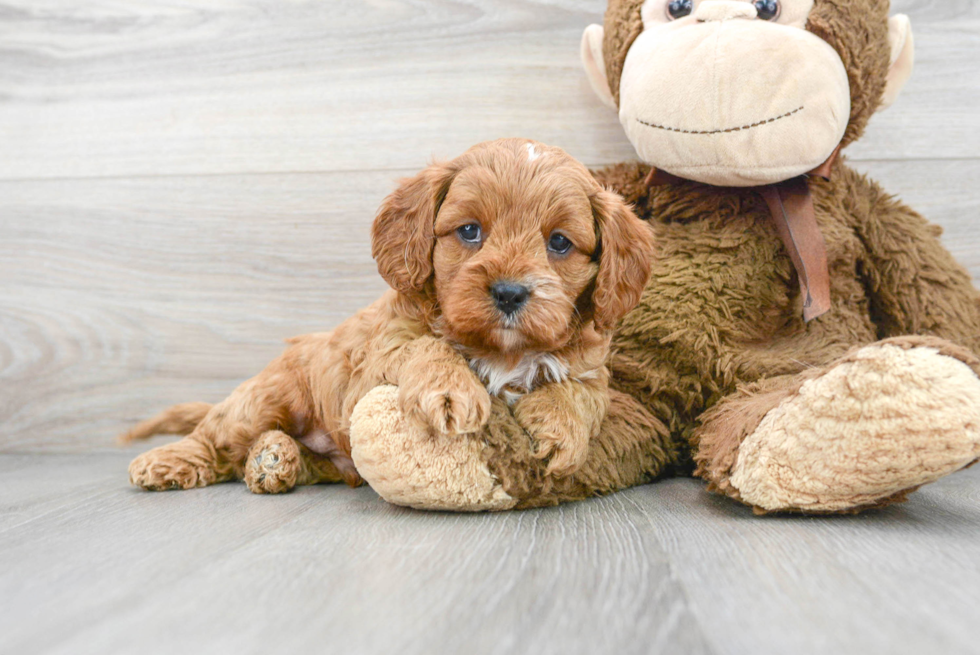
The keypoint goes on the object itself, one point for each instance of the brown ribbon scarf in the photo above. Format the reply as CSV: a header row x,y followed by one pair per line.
x,y
791,208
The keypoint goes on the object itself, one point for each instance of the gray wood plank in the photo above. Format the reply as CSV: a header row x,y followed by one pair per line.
x,y
665,568
149,88
937,116
901,580
123,296
156,88
222,571
23,499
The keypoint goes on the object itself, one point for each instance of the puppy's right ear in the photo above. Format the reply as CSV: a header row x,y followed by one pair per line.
x,y
403,234
625,252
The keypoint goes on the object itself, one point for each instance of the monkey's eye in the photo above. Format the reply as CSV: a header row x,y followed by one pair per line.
x,y
470,233
679,8
767,9
559,243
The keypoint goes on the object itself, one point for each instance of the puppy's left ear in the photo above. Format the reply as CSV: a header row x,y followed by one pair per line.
x,y
626,249
403,234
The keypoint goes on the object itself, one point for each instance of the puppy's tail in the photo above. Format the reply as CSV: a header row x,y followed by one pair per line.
x,y
179,419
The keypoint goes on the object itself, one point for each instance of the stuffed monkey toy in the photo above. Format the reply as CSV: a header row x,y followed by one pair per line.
x,y
805,343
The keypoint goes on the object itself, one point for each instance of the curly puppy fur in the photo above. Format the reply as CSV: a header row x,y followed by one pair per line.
x,y
445,240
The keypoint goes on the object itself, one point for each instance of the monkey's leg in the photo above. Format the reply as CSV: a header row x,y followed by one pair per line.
x,y
862,432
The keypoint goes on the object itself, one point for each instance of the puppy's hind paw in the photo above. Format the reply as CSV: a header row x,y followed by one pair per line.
x,y
273,464
174,466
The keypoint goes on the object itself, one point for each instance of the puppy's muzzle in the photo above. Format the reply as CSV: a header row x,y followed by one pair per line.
x,y
509,297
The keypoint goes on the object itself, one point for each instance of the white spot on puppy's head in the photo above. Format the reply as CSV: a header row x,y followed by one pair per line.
x,y
532,153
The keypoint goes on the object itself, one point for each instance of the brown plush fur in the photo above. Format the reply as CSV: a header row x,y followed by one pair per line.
x,y
717,339
719,326
437,320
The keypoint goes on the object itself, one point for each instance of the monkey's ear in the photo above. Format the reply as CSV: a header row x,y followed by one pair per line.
x,y
902,58
625,255
595,64
403,234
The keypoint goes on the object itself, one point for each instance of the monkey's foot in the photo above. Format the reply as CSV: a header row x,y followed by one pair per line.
x,y
883,421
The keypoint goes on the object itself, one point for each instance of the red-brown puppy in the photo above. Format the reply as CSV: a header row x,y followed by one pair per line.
x,y
509,267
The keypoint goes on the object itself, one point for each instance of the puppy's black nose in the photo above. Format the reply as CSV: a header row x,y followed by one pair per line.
x,y
509,297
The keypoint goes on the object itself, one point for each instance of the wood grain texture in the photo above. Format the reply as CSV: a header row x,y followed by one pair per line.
x,y
122,296
156,87
902,580
151,88
184,183
223,571
663,568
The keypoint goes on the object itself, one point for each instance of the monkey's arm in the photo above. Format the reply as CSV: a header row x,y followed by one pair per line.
x,y
915,286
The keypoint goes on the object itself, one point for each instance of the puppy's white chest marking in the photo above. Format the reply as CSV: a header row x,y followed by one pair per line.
x,y
511,383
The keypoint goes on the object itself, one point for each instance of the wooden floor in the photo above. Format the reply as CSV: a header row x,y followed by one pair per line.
x,y
184,183
88,565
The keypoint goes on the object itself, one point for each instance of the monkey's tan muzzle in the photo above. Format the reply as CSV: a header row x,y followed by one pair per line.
x,y
733,101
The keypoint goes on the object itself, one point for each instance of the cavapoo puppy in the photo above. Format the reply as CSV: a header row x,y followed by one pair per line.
x,y
509,268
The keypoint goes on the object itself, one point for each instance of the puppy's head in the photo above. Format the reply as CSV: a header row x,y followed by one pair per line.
x,y
517,244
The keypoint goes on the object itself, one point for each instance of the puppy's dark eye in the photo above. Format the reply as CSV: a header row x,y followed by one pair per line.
x,y
767,9
679,8
471,233
559,243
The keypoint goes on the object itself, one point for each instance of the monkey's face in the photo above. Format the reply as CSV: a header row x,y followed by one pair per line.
x,y
730,92
724,97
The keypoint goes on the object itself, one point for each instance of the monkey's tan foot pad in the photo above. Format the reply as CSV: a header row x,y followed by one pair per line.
x,y
410,466
273,464
885,421
174,466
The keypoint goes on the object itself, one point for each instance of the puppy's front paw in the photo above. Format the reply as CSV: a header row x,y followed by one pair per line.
x,y
449,400
562,438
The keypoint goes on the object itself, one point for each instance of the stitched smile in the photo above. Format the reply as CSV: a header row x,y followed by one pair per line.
x,y
731,129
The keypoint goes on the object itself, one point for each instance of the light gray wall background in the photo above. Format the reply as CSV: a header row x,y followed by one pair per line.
x,y
185,183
